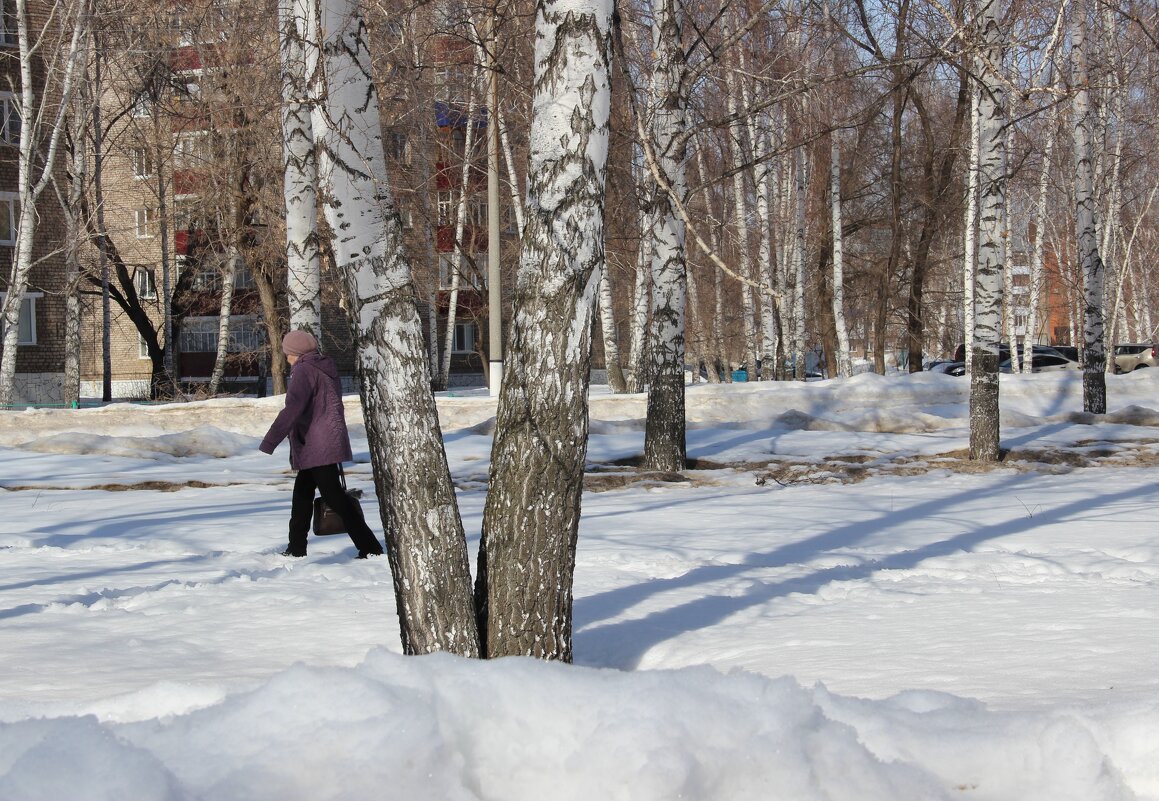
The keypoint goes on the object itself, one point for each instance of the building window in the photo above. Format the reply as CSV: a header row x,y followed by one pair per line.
x,y
146,222
398,146
26,322
464,338
244,278
142,107
477,209
450,82
199,334
459,141
142,348
9,119
186,213
145,282
142,162
190,149
446,270
8,30
446,209
8,218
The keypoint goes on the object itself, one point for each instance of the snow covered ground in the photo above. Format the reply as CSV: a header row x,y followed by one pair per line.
x,y
832,605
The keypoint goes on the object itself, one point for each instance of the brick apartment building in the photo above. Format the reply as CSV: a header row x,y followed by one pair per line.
x,y
164,147
40,347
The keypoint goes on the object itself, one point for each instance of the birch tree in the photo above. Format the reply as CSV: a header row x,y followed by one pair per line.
x,y
42,124
72,203
424,533
442,380
1086,229
970,232
297,33
984,429
531,520
664,436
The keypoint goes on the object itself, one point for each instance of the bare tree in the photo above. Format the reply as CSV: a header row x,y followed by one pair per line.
x,y
42,125
531,520
984,427
664,436
1094,358
420,516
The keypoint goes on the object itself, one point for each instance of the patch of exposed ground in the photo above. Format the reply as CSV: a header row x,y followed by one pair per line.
x,y
856,467
835,469
157,486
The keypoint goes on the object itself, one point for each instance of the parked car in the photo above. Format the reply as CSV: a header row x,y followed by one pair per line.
x,y
1134,356
1048,352
949,368
1069,351
1042,362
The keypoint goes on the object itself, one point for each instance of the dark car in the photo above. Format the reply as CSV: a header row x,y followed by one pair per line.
x,y
1004,351
949,367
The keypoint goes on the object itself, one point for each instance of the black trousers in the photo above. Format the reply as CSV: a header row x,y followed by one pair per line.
x,y
325,481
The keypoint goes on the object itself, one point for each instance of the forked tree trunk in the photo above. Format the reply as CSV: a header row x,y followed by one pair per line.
x,y
531,520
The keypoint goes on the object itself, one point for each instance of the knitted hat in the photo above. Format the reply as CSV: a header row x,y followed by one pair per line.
x,y
296,343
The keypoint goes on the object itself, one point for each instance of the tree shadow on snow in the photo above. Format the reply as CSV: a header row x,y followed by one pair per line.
x,y
624,643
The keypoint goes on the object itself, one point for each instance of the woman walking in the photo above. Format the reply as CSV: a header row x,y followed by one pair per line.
x,y
315,422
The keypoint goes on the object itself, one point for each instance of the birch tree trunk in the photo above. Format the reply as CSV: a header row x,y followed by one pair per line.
x,y
844,361
531,520
1018,364
639,358
799,267
836,221
664,434
228,280
1086,229
970,237
984,428
40,133
740,159
718,362
420,516
616,380
73,204
297,25
766,258
1036,245
443,379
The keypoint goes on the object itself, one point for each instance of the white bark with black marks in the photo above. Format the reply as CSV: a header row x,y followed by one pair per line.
x,y
531,520
420,516
984,428
664,435
41,129
1086,227
297,23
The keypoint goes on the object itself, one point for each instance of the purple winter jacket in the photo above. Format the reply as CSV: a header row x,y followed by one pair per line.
x,y
313,419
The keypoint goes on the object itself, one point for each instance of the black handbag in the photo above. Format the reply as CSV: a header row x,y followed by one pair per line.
x,y
326,520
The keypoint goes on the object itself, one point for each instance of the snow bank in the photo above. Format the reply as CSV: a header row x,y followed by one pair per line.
x,y
443,729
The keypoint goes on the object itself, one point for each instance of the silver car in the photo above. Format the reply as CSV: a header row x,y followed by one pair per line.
x,y
1134,356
